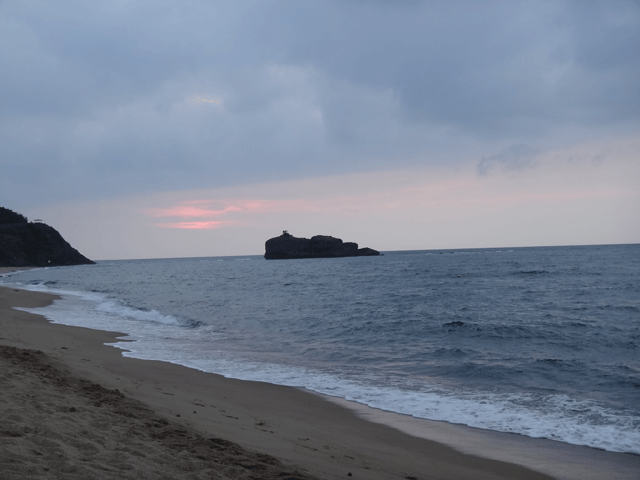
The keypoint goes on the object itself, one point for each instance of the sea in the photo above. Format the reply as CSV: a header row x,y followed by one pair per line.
x,y
543,342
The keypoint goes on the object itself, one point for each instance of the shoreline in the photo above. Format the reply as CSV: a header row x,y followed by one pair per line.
x,y
559,459
324,437
4,270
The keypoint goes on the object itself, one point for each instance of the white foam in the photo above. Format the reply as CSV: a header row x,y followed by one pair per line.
x,y
115,308
96,310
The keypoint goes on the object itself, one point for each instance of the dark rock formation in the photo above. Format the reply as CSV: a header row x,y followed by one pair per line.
x,y
29,244
286,246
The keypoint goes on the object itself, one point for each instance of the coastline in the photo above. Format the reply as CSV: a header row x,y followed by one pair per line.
x,y
4,270
320,437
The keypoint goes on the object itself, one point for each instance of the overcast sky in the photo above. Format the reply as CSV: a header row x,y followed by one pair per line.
x,y
196,128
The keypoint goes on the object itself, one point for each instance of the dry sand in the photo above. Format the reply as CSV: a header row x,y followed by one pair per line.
x,y
75,408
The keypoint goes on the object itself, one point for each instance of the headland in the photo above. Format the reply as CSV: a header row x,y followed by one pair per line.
x,y
34,244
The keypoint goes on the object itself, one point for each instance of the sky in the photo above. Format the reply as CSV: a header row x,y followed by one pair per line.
x,y
144,129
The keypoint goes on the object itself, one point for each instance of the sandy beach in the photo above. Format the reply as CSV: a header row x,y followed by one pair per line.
x,y
75,408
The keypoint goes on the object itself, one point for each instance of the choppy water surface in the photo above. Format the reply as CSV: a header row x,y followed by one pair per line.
x,y
539,341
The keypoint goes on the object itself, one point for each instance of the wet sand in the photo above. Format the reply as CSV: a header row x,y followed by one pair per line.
x,y
75,408
4,270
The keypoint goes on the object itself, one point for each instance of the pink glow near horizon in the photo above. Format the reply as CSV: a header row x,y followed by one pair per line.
x,y
550,185
181,211
197,209
207,225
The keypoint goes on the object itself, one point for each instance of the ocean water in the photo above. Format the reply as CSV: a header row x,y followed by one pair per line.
x,y
543,342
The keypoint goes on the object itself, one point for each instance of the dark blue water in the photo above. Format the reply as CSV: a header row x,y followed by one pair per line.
x,y
539,341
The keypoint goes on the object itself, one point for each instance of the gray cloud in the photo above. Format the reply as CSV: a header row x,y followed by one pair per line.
x,y
514,158
94,97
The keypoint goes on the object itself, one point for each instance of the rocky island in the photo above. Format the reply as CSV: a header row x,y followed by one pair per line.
x,y
286,246
33,244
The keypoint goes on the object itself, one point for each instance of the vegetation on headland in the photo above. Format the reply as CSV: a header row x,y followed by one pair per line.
x,y
33,244
9,216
